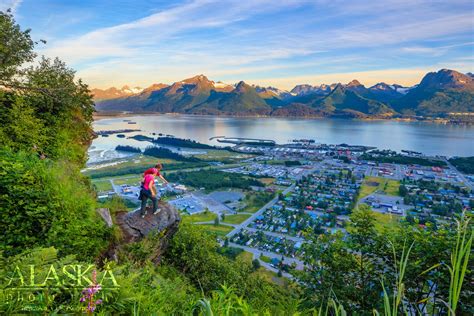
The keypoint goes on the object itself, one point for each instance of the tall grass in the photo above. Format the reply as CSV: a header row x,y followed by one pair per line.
x,y
459,262
392,306
226,302
457,270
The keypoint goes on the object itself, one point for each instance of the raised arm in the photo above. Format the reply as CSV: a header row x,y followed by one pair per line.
x,y
163,178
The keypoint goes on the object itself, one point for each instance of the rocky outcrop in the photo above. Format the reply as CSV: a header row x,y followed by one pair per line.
x,y
105,214
133,228
136,227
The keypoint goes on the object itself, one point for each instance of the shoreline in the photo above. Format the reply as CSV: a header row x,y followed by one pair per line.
x,y
107,114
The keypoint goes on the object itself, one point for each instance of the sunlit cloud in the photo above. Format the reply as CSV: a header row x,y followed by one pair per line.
x,y
280,43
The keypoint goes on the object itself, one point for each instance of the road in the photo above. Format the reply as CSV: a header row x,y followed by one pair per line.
x,y
258,213
273,234
460,174
212,222
256,253
118,190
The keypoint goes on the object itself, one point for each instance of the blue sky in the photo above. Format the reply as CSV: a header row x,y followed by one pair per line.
x,y
267,42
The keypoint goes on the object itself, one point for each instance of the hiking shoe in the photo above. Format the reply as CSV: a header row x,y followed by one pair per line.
x,y
157,211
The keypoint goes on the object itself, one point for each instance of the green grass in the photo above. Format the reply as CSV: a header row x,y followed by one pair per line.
x,y
236,219
136,165
116,204
267,181
254,201
131,175
250,209
385,221
200,217
218,155
134,180
245,257
392,187
387,186
102,185
136,161
265,259
272,277
219,230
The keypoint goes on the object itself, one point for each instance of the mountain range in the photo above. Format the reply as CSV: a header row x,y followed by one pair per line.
x,y
439,94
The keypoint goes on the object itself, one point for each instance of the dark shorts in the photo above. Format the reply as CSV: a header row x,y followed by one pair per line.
x,y
144,194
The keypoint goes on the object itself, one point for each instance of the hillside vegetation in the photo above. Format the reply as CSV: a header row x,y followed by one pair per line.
x,y
464,164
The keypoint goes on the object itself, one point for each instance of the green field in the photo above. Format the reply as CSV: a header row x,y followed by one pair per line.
x,y
133,180
221,155
372,184
271,276
201,217
245,257
255,200
267,181
137,165
102,185
385,221
136,161
236,219
219,230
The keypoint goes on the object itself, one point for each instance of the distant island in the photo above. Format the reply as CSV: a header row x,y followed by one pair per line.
x,y
445,95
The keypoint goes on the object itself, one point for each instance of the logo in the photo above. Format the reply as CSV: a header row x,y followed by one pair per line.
x,y
35,288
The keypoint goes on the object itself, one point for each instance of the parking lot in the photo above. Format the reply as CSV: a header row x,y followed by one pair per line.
x,y
386,203
189,203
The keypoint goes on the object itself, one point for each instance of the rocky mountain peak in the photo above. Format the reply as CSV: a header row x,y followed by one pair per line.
x,y
381,86
197,79
155,87
447,79
242,87
354,83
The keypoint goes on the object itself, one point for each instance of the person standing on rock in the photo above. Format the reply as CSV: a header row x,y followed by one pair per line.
x,y
148,189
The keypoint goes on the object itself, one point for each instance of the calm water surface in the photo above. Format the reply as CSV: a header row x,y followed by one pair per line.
x,y
429,138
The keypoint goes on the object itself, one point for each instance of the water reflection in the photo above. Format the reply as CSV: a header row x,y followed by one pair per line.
x,y
429,138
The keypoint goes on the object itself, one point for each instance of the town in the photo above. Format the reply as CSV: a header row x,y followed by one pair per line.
x,y
277,194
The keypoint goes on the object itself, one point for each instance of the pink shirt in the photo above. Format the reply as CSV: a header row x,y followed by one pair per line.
x,y
148,180
151,171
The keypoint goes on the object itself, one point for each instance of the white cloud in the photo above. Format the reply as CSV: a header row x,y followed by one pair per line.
x,y
167,45
433,50
138,36
10,4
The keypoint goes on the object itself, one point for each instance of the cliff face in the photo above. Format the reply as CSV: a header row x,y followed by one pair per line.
x,y
134,228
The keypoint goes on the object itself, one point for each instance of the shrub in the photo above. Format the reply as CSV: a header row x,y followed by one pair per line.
x,y
46,203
